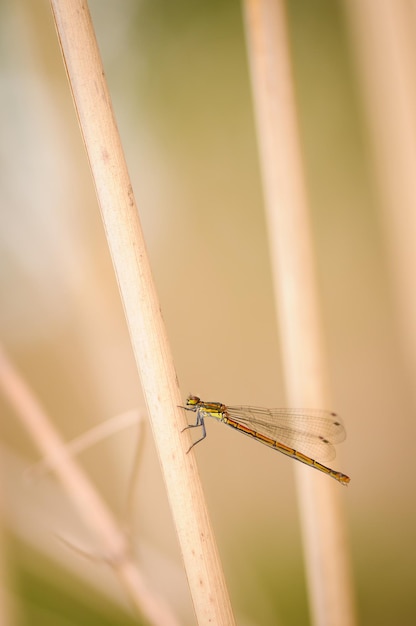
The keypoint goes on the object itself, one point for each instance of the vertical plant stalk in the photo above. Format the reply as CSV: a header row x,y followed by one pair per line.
x,y
296,299
383,35
147,331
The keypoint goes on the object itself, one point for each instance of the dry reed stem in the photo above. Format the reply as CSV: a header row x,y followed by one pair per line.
x,y
89,439
90,505
147,330
296,299
383,37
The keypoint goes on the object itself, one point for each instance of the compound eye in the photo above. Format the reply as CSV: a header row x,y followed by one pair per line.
x,y
192,401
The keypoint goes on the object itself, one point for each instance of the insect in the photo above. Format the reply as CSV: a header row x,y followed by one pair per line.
x,y
300,434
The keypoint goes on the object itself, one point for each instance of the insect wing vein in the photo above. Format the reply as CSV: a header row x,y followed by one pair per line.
x,y
308,431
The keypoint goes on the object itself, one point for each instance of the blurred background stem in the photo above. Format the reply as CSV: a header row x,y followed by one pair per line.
x,y
297,299
93,510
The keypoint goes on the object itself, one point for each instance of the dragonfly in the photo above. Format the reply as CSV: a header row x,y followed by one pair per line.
x,y
301,434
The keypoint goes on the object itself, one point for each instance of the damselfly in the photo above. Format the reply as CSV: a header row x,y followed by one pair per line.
x,y
301,434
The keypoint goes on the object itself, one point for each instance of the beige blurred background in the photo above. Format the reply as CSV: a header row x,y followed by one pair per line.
x,y
179,81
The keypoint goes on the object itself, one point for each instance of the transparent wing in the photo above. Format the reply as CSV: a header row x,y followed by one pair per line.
x,y
311,432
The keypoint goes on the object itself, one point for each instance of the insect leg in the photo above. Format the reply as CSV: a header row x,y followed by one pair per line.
x,y
199,422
